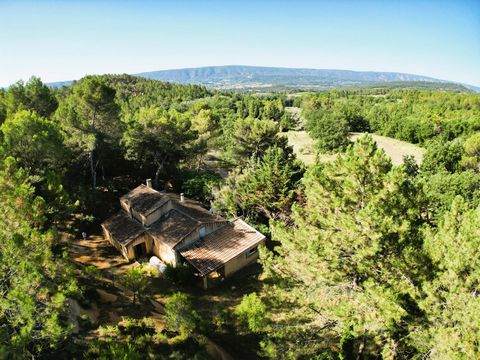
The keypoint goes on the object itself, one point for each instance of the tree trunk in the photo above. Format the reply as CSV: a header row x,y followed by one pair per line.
x,y
92,163
92,171
361,348
157,174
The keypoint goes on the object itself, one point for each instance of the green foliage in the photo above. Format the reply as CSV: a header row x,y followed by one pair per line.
x,y
253,136
347,345
34,284
140,339
441,189
264,186
287,122
349,260
471,159
330,131
35,142
159,138
136,281
452,302
182,274
180,315
91,118
442,156
34,96
200,185
251,313
92,272
409,115
113,350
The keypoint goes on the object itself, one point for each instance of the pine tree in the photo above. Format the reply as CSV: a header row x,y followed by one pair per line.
x,y
351,262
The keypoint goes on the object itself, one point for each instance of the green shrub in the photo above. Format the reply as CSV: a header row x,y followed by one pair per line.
x,y
113,350
200,185
182,274
251,313
180,315
136,281
287,122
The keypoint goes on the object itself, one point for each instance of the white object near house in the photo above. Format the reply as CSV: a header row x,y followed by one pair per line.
x,y
158,264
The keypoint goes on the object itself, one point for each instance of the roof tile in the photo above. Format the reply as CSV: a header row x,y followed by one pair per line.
x,y
219,247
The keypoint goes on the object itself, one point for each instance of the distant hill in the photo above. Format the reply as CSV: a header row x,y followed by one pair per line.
x,y
256,78
239,76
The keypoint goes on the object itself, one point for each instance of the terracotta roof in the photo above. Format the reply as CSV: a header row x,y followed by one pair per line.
x,y
123,228
145,200
207,254
172,227
219,247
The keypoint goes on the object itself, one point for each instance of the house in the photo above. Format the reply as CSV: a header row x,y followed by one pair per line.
x,y
177,229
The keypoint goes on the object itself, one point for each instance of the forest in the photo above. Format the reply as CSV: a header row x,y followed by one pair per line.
x,y
363,259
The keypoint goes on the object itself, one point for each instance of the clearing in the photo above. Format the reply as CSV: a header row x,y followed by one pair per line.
x,y
303,146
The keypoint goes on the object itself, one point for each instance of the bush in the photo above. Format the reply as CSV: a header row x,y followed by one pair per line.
x,y
442,156
251,313
287,122
221,318
180,315
114,350
135,280
92,272
182,274
330,130
200,185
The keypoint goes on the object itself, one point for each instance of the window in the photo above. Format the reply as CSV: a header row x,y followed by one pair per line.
x,y
252,251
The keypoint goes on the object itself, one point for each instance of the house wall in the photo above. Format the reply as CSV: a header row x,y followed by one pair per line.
x,y
136,215
125,206
157,214
164,252
128,251
240,261
142,238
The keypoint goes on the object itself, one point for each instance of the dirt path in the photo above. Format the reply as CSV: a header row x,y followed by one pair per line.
x,y
114,300
217,352
96,251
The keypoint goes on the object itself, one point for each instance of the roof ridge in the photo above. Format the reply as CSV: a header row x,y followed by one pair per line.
x,y
184,213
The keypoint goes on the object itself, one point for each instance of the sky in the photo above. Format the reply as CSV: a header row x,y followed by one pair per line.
x,y
65,40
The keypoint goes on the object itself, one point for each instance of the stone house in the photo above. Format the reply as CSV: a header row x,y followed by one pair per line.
x,y
177,229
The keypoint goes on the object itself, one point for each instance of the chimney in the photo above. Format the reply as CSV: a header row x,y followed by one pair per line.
x,y
182,197
149,183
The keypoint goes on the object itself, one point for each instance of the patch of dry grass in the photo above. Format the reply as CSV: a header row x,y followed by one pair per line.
x,y
304,147
394,148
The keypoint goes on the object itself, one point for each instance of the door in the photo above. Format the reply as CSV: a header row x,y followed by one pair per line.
x,y
140,250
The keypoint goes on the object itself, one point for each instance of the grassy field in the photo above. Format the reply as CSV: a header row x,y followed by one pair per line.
x,y
303,146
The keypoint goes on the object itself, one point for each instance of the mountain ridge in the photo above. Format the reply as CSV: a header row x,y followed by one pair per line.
x,y
251,77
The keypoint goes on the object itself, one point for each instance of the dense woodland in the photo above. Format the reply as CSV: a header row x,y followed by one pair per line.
x,y
364,260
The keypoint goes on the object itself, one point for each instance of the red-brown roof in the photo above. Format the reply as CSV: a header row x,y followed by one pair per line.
x,y
123,228
184,217
145,200
172,227
219,247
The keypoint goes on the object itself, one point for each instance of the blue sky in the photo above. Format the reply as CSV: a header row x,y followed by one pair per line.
x,y
63,40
